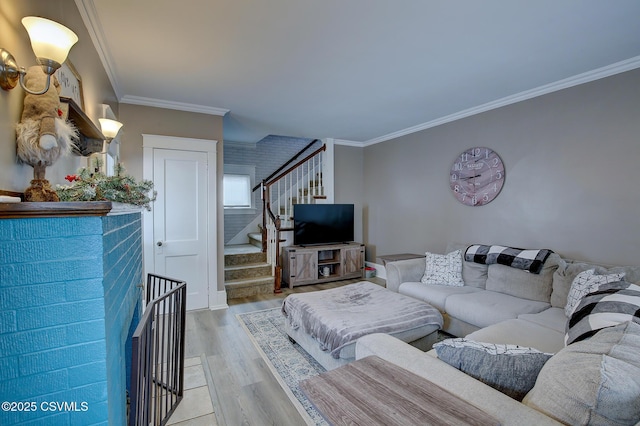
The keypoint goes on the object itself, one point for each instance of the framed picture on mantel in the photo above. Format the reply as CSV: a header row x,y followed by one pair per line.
x,y
70,83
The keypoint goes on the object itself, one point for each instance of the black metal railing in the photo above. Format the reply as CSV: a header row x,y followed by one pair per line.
x,y
157,370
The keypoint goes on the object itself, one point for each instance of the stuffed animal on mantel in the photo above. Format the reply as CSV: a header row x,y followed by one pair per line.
x,y
42,135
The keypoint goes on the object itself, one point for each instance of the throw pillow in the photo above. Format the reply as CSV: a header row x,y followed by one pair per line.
x,y
443,269
511,369
584,283
593,382
611,304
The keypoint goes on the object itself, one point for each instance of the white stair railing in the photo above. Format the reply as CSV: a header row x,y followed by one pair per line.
x,y
299,184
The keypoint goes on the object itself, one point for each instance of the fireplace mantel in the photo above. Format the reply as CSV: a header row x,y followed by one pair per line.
x,y
60,209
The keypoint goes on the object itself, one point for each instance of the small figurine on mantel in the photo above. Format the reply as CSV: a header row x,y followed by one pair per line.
x,y
42,134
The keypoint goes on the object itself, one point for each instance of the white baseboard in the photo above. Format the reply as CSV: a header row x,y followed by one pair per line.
x,y
218,301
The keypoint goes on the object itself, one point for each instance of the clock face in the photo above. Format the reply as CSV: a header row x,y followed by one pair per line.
x,y
477,176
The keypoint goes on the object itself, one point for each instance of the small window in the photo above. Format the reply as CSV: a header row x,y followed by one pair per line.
x,y
238,181
237,191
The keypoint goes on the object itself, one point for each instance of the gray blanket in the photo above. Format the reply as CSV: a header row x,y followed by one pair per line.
x,y
339,316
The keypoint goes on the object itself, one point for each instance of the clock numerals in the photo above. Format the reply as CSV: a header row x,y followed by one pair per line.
x,y
477,176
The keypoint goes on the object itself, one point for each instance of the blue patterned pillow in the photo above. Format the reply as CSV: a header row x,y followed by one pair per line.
x,y
443,269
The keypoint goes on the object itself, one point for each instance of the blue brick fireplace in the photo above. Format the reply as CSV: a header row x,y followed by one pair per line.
x,y
70,297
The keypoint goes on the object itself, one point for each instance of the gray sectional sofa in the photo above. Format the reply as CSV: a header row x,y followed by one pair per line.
x,y
504,305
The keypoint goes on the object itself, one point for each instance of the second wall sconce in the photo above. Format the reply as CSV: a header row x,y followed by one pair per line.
x,y
110,128
50,42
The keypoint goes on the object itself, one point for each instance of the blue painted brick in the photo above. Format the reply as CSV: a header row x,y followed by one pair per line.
x,y
7,275
63,313
46,272
23,388
83,289
31,296
95,411
61,358
92,393
8,322
41,228
6,230
49,249
65,267
89,331
8,368
31,341
37,418
85,374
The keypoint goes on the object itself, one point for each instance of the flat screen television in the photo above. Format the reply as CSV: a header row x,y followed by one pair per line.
x,y
322,224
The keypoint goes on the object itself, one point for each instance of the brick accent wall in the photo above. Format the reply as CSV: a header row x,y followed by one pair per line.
x,y
68,293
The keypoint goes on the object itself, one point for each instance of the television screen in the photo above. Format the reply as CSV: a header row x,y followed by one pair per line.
x,y
322,223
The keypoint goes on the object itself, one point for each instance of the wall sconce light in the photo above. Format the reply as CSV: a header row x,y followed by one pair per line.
x,y
110,128
50,42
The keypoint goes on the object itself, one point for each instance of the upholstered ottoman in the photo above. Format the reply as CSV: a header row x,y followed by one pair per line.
x,y
327,323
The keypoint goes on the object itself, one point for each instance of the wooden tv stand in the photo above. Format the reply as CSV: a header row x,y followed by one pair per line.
x,y
306,264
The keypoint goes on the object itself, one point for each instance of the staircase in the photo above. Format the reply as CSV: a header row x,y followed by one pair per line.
x,y
247,274
250,274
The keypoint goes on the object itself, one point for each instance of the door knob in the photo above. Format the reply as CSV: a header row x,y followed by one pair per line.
x,y
159,243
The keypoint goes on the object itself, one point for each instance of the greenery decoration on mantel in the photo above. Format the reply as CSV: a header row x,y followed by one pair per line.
x,y
94,185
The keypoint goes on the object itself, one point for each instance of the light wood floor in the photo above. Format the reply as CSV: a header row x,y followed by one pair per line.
x,y
243,390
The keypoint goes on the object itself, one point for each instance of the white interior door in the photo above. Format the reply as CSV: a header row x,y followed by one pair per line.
x,y
180,229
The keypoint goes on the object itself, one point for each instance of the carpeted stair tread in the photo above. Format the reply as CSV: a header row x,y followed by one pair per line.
x,y
248,282
248,287
244,258
253,270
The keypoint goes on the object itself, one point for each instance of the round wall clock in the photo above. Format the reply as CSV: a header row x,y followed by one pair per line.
x,y
477,176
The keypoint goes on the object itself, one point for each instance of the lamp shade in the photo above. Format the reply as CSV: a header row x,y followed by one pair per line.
x,y
110,128
49,39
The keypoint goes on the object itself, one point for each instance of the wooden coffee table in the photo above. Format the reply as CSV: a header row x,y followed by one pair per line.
x,y
372,391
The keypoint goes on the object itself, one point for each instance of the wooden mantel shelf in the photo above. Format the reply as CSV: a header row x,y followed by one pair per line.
x,y
61,209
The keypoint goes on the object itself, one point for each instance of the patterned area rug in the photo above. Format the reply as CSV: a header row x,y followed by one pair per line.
x,y
288,362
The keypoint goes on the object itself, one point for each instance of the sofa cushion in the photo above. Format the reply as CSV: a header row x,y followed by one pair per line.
x,y
519,283
523,333
552,318
584,283
443,269
609,305
511,369
596,381
435,295
566,273
473,274
484,308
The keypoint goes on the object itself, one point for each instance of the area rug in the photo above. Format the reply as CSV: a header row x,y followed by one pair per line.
x,y
289,363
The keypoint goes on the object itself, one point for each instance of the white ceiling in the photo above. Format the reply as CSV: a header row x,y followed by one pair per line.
x,y
355,70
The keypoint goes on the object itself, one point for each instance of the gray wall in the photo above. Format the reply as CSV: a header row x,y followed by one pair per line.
x,y
349,183
139,120
571,160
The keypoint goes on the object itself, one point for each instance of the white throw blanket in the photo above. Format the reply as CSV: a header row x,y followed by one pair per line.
x,y
339,316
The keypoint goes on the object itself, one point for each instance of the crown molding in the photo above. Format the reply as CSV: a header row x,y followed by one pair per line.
x,y
607,71
92,23
180,106
348,143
